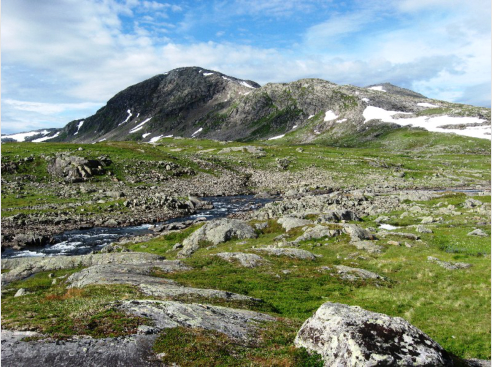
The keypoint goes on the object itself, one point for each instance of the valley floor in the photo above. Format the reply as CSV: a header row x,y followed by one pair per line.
x,y
404,232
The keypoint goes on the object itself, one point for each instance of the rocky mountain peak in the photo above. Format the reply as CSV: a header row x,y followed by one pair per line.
x,y
393,89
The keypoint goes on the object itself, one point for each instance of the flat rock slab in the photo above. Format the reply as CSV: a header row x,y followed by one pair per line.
x,y
293,253
349,273
351,336
357,233
149,285
134,350
246,260
448,265
23,267
238,324
368,246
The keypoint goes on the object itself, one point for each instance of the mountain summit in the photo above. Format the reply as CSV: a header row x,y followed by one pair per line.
x,y
200,103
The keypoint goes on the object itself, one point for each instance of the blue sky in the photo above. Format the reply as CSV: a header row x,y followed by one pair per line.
x,y
63,59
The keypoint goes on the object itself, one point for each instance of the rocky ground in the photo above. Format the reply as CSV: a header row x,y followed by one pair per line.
x,y
336,272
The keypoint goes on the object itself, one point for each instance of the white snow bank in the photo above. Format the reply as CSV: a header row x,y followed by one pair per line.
x,y
79,126
388,227
431,123
20,137
196,132
127,118
330,115
365,99
310,117
425,104
99,141
39,140
378,88
277,137
140,125
153,140
207,74
340,121
242,82
145,135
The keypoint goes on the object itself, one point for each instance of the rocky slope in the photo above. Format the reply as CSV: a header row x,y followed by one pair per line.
x,y
199,103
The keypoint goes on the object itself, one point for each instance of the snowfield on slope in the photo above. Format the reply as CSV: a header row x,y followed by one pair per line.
x,y
433,124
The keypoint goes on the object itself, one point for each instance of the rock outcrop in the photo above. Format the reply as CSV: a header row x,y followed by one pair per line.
x,y
351,336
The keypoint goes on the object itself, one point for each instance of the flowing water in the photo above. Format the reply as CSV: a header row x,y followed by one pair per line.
x,y
84,241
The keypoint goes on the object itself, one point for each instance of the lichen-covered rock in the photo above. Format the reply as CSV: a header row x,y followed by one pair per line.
x,y
478,232
216,232
289,223
358,233
246,260
368,246
448,265
351,274
315,233
238,324
353,337
294,253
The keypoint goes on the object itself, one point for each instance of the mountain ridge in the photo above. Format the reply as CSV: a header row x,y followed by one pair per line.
x,y
202,103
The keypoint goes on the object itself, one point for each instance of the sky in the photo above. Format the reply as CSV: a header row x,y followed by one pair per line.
x,y
63,59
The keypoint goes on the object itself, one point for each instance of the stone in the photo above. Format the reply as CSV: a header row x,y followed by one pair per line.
x,y
246,260
139,275
315,233
357,233
368,246
289,223
237,324
448,265
426,220
393,243
216,232
351,274
351,336
423,229
472,203
293,253
478,232
21,292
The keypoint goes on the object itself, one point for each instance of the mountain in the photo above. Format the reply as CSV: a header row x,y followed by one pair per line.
x,y
201,103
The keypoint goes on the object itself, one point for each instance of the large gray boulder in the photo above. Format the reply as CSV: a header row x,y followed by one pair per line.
x,y
353,337
216,232
315,233
246,260
293,253
289,223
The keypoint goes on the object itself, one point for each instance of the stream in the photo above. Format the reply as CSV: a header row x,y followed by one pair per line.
x,y
85,241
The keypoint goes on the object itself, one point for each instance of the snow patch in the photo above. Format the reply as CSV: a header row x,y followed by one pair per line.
x,y
39,140
425,104
153,140
365,100
277,137
79,126
20,137
127,118
431,123
145,135
378,88
207,74
225,78
196,132
294,127
310,117
330,115
242,82
140,125
340,121
388,227
100,141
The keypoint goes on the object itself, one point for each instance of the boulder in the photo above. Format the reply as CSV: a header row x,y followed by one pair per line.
x,y
448,265
358,233
351,336
472,203
478,232
293,253
368,246
348,273
75,168
316,232
289,223
246,260
216,232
